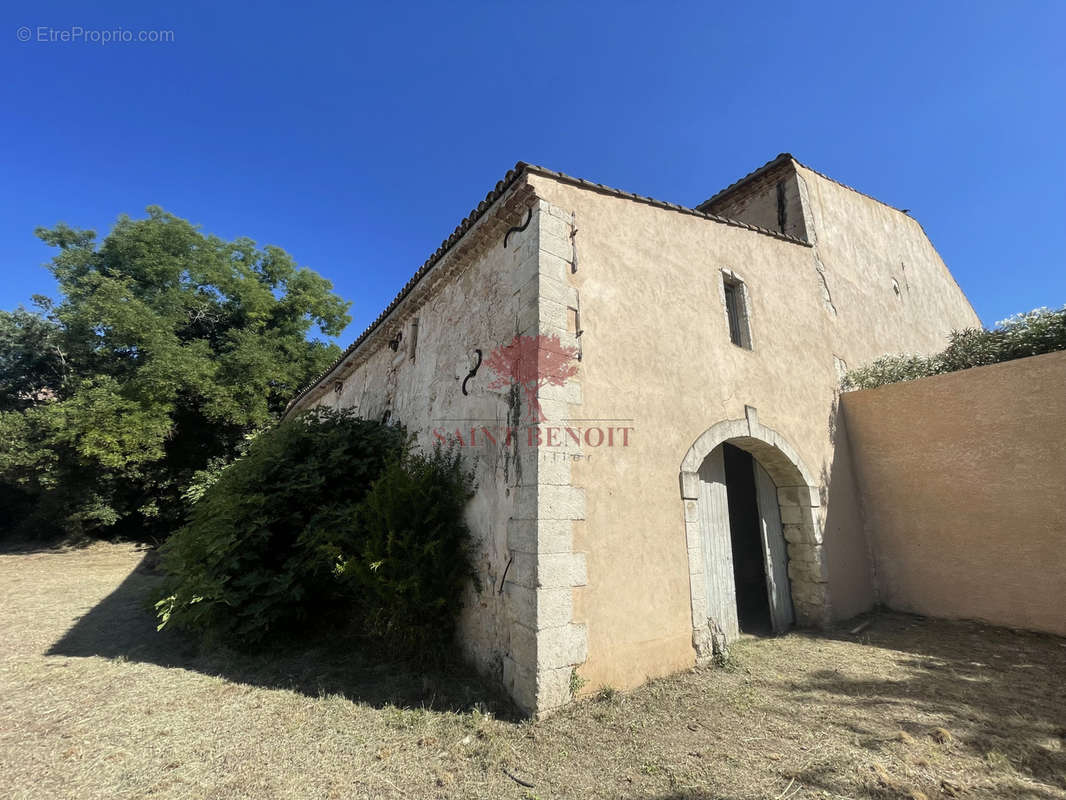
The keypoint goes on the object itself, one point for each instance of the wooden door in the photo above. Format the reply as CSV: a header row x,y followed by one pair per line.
x,y
774,549
717,547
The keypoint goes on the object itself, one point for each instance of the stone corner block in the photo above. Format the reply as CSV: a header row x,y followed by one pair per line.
x,y
569,392
557,291
526,498
564,646
555,536
522,535
522,604
554,470
520,684
548,570
562,569
561,502
553,689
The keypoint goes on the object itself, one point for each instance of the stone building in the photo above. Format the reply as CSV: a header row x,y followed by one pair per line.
x,y
649,393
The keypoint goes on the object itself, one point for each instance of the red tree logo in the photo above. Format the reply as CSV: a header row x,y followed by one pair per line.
x,y
532,362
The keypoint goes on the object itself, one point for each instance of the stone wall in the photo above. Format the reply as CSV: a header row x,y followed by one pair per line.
x,y
477,298
963,480
546,570
519,629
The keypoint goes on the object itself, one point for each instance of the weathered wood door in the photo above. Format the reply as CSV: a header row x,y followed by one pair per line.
x,y
774,549
717,546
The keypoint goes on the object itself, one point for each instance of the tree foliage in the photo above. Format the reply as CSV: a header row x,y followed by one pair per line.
x,y
32,361
1030,334
166,348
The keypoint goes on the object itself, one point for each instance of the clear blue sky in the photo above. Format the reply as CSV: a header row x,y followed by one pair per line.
x,y
357,136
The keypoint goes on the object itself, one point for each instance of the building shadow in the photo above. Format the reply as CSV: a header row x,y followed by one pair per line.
x,y
849,559
123,626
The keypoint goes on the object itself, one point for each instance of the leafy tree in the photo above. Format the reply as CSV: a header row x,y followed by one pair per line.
x,y
166,349
32,362
410,561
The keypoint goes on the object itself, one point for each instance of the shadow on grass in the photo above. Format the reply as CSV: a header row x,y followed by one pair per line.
x,y
964,710
992,694
122,626
998,693
13,545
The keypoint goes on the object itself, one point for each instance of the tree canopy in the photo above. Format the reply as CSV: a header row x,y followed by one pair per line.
x,y
166,349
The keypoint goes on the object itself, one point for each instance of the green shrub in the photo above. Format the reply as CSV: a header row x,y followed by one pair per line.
x,y
1029,334
327,521
412,562
259,550
890,369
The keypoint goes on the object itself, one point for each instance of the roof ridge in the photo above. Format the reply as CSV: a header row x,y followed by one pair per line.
x,y
852,188
520,168
779,159
696,212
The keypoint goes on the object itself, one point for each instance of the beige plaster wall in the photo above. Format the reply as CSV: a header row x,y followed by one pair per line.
x,y
656,356
862,246
964,482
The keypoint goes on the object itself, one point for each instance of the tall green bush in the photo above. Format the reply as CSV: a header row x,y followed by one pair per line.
x,y
1030,334
411,562
258,553
327,521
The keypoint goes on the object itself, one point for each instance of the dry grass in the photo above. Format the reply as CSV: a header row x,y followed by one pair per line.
x,y
94,704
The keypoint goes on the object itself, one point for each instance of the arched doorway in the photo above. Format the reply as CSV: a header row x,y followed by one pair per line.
x,y
753,533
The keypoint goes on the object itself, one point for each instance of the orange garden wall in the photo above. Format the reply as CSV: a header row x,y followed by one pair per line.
x,y
963,481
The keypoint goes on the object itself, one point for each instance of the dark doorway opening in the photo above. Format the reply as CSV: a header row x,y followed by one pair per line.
x,y
749,563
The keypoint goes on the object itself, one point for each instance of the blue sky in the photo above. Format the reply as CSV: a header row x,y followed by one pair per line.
x,y
357,136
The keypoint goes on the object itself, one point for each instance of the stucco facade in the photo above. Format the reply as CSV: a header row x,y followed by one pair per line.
x,y
592,554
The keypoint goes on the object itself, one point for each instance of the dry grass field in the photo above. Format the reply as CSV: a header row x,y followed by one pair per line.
x,y
95,704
